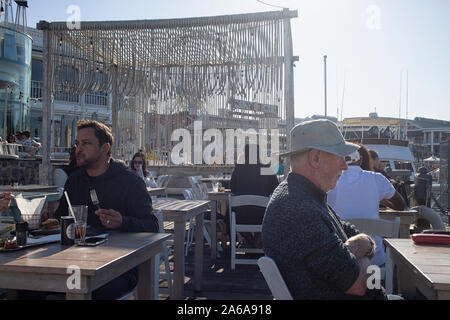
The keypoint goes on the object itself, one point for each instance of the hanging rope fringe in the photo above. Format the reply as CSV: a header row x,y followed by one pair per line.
x,y
210,69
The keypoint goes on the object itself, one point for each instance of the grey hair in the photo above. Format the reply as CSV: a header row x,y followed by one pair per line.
x,y
300,156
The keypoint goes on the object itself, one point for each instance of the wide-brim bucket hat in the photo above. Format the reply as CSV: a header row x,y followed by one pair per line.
x,y
319,134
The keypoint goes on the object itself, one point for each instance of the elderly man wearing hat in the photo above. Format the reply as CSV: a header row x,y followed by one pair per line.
x,y
319,256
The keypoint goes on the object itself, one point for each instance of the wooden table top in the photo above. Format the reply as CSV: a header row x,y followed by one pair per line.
x,y
55,259
216,179
431,262
155,190
225,192
180,209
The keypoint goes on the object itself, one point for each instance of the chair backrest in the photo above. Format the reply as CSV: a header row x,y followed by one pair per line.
x,y
160,180
274,280
188,194
379,227
166,180
247,200
159,216
196,189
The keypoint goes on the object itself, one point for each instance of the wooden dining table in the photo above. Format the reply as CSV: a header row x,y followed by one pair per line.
x,y
48,267
422,267
180,212
220,197
155,192
406,219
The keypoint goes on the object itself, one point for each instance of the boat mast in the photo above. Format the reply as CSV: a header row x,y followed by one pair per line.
x,y
406,120
325,80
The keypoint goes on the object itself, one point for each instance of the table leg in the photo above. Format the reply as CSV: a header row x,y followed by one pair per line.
x,y
178,272
147,280
213,230
199,251
223,207
405,283
405,223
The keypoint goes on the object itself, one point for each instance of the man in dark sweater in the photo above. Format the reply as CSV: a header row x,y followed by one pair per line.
x,y
319,256
123,198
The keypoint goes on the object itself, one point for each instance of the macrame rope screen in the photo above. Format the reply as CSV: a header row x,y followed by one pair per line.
x,y
226,71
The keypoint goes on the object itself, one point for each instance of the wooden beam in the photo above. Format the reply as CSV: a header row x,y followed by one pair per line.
x,y
288,83
174,23
46,109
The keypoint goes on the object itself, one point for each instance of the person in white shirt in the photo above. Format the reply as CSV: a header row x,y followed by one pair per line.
x,y
358,194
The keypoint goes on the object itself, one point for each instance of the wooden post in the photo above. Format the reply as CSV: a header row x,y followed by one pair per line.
x,y
288,81
5,115
115,114
46,104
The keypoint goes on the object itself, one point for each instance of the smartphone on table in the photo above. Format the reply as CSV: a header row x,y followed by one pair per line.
x,y
94,241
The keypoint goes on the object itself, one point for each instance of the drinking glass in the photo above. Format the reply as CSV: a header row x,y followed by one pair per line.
x,y
80,213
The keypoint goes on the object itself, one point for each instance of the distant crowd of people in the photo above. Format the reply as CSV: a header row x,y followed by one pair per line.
x,y
23,138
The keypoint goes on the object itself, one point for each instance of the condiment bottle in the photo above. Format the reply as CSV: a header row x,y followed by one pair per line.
x,y
21,233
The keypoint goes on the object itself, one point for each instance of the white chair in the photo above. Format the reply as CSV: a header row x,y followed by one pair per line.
x,y
195,181
385,229
238,201
162,257
274,280
160,180
189,195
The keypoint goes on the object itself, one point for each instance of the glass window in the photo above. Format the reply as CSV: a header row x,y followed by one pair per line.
x,y
36,70
402,165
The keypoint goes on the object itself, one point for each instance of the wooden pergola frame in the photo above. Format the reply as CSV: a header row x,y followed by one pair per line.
x,y
127,73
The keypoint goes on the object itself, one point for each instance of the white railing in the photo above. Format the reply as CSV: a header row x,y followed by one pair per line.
x,y
36,89
94,98
91,98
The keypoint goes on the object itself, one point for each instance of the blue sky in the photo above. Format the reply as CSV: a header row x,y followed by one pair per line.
x,y
370,43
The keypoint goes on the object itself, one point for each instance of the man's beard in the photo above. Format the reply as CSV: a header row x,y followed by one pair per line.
x,y
88,163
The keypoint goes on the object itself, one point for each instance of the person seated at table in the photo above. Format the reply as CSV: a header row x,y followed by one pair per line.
x,y
319,256
377,166
248,179
11,138
359,193
60,175
138,165
124,202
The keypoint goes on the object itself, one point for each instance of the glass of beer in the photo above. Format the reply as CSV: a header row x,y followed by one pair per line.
x,y
80,213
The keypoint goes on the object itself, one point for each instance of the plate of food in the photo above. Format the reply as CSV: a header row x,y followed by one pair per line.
x,y
49,226
9,245
5,229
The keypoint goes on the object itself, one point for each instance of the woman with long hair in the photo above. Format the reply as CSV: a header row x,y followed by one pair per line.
x,y
137,163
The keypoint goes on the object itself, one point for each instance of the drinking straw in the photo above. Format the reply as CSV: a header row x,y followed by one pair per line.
x,y
70,206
